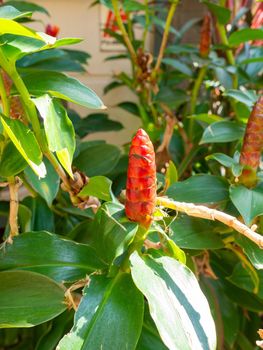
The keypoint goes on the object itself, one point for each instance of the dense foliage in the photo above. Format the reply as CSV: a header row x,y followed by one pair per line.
x,y
186,271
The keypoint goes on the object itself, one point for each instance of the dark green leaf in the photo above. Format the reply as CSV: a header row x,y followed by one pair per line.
x,y
200,189
11,12
25,6
253,205
11,161
110,316
178,65
130,107
26,143
50,255
28,299
48,187
98,159
221,13
224,131
248,97
182,315
97,186
193,233
62,86
245,34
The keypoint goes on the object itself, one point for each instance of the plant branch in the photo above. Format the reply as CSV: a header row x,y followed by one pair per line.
x,y
13,212
4,97
123,31
203,212
166,34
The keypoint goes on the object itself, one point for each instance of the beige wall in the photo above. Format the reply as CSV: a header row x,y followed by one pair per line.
x,y
76,19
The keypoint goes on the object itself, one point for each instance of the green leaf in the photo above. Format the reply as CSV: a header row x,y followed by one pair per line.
x,y
112,232
62,86
182,315
96,122
222,159
206,118
58,128
25,6
130,107
98,159
8,26
178,65
221,13
200,189
245,34
26,143
48,187
171,175
110,316
253,252
248,97
28,299
11,161
10,12
193,233
224,131
98,186
50,255
253,205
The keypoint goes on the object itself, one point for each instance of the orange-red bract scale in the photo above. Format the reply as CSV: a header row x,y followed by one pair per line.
x,y
52,30
141,180
205,36
253,139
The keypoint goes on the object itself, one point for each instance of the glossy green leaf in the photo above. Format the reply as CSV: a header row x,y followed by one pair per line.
x,y
192,233
200,189
245,34
48,187
96,122
112,232
97,186
248,97
26,143
62,86
50,255
177,305
8,26
253,205
98,159
221,13
110,316
36,300
11,161
130,107
178,65
224,131
10,12
25,6
58,128
253,252
171,175
206,118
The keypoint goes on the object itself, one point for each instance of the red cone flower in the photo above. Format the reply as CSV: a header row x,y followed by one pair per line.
x,y
52,30
205,38
141,180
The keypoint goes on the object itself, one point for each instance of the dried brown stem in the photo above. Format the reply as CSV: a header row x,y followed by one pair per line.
x,y
13,212
203,212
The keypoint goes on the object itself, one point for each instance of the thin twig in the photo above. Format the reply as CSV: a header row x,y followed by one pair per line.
x,y
123,31
166,34
203,212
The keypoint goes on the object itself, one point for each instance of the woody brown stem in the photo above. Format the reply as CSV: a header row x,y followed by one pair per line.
x,y
203,212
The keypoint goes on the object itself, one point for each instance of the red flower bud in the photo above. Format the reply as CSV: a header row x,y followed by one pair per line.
x,y
141,180
205,38
253,139
52,30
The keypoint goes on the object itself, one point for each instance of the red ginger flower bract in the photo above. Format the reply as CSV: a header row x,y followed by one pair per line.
x,y
253,139
205,37
52,30
141,180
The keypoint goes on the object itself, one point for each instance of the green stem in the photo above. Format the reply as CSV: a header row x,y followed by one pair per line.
x,y
4,97
13,213
123,31
166,34
193,101
187,160
229,52
147,23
